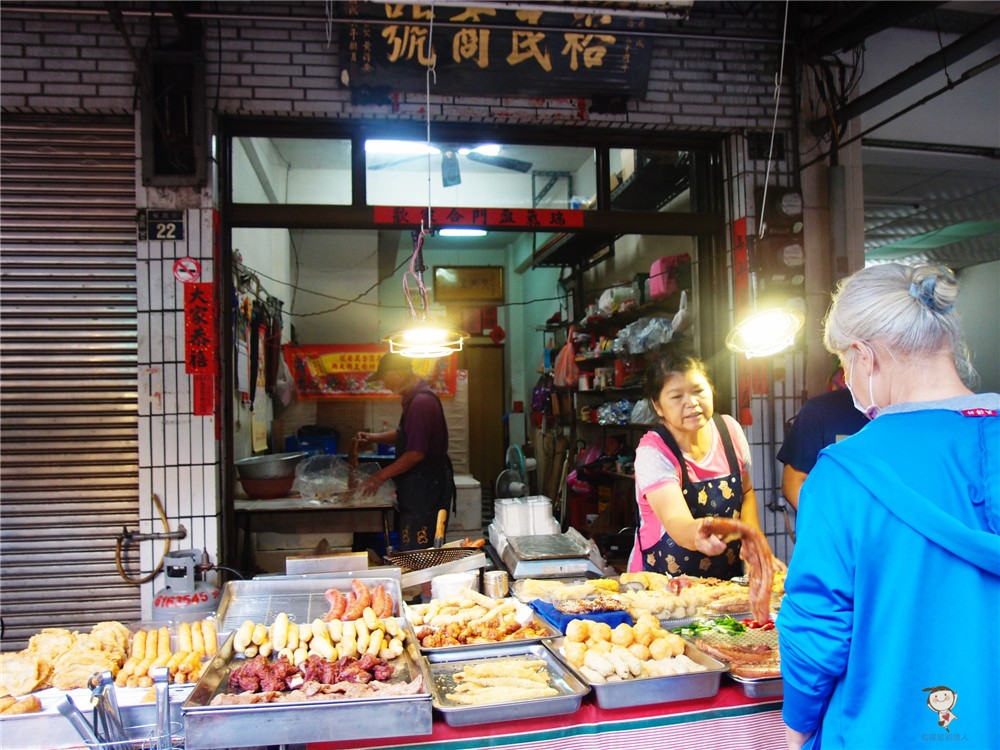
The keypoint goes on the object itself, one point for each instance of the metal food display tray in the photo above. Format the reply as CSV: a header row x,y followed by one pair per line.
x,y
643,691
548,630
442,666
771,687
261,724
301,597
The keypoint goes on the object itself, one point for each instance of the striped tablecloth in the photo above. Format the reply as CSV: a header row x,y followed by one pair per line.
x,y
726,721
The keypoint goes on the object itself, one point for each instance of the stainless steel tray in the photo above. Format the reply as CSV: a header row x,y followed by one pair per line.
x,y
259,724
547,629
546,547
643,691
301,597
442,666
772,687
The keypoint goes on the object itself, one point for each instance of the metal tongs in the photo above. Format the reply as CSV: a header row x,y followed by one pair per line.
x,y
108,724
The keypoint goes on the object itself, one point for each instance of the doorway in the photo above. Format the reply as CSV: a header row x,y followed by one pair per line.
x,y
485,365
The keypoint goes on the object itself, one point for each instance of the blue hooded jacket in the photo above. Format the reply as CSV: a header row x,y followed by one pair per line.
x,y
894,585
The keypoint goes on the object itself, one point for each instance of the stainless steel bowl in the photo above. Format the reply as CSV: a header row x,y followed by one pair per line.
x,y
272,466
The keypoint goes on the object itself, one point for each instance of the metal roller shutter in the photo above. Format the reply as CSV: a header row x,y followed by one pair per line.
x,y
68,388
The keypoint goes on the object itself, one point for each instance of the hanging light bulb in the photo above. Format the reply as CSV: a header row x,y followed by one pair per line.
x,y
423,339
426,341
766,332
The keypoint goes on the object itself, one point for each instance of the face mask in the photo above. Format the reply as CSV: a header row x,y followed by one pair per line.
x,y
872,411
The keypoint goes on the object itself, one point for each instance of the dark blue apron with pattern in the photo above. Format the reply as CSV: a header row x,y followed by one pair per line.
x,y
713,497
421,492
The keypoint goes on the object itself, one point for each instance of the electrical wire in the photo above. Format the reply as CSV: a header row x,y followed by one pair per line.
x,y
166,549
774,125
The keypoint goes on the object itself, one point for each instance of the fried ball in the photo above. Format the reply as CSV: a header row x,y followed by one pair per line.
x,y
600,631
639,651
622,635
661,648
578,630
575,652
642,633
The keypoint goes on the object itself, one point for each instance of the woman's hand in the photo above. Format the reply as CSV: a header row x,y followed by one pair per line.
x,y
794,739
706,542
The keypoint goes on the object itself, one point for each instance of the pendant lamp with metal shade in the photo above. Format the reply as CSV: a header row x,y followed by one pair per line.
x,y
423,338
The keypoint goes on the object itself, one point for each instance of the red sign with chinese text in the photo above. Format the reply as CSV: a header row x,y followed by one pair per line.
x,y
332,371
199,329
481,218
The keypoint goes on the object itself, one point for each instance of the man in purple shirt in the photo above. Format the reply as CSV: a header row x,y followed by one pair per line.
x,y
422,471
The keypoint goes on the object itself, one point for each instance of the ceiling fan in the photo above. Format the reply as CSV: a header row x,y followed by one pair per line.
x,y
451,174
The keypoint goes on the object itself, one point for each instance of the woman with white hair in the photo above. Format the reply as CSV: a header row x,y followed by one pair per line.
x,y
894,585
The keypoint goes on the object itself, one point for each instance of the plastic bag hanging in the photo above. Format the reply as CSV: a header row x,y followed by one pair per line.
x,y
566,373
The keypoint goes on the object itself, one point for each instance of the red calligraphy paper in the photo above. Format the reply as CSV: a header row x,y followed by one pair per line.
x,y
199,329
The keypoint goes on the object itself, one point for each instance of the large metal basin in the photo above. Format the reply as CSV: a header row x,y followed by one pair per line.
x,y
272,466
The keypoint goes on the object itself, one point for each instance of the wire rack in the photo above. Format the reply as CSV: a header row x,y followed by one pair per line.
x,y
144,737
421,559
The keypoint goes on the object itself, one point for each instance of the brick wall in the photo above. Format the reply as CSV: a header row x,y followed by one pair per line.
x,y
257,65
275,60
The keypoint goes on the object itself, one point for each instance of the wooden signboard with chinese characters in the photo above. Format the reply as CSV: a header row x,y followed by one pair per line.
x,y
487,51
468,284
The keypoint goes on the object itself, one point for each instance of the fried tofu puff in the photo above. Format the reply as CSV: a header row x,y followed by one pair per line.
x,y
622,635
575,652
600,631
578,630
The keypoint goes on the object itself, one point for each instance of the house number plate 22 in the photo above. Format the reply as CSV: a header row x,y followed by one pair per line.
x,y
160,225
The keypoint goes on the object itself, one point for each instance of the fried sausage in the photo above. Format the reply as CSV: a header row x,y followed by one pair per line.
x,y
757,555
362,598
337,605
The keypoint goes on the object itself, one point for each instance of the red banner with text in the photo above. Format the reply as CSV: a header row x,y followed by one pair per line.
x,y
335,371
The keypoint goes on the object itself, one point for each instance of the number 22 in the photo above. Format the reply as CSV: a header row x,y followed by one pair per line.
x,y
166,231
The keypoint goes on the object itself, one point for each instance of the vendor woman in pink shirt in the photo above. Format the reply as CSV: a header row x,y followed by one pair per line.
x,y
694,464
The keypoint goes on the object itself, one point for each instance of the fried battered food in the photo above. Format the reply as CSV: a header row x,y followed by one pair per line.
x,y
602,603
6,702
21,672
28,705
503,668
50,643
112,635
501,695
74,668
502,681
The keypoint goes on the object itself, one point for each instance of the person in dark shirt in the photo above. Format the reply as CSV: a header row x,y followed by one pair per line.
x,y
422,470
823,420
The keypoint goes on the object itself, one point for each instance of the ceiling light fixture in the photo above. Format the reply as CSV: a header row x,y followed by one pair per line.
x,y
400,148
423,339
766,332
487,149
460,232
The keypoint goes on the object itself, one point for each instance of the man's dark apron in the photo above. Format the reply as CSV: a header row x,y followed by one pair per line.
x,y
713,497
421,492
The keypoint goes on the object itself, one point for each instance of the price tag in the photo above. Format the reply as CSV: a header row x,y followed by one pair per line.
x,y
187,270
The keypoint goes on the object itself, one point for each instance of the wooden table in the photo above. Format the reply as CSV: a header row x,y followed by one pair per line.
x,y
727,720
354,514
